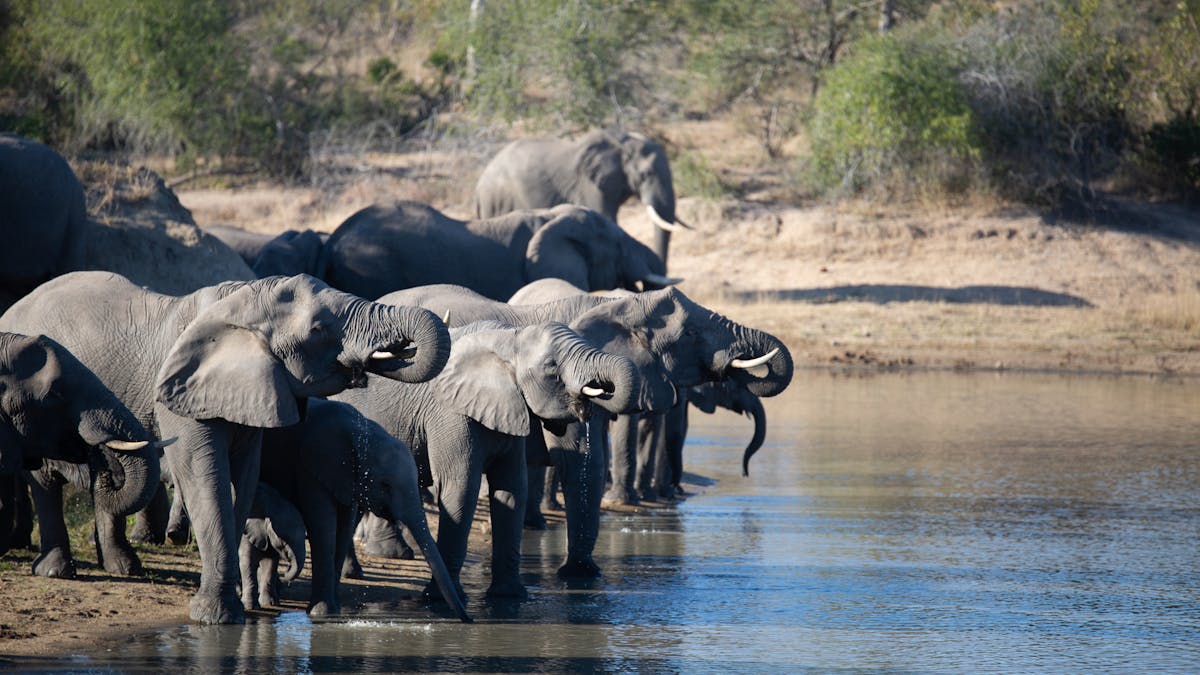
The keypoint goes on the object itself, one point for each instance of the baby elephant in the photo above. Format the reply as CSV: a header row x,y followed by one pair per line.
x,y
274,532
329,465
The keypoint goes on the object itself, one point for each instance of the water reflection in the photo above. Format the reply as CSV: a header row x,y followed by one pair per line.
x,y
931,523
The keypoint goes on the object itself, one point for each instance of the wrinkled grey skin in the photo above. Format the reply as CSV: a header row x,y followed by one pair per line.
x,y
43,215
473,418
384,248
673,342
288,253
712,395
601,171
332,463
215,367
274,533
56,421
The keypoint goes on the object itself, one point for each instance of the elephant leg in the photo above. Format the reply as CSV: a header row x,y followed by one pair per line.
x,y
536,459
650,437
552,480
113,549
200,464
249,558
268,581
22,530
507,492
345,561
382,537
178,526
150,525
676,438
320,520
624,461
456,489
581,457
54,558
351,567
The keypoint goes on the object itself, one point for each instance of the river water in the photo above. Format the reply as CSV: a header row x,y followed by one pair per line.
x,y
931,522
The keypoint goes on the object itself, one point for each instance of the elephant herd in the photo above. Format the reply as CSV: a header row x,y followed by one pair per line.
x,y
407,357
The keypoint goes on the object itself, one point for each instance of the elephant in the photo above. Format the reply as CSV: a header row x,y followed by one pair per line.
x,y
473,418
674,342
288,253
217,366
58,419
709,396
333,462
383,248
43,214
274,532
601,171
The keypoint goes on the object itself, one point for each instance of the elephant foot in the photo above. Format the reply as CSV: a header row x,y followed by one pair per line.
x,y
535,521
394,548
142,534
178,536
620,494
266,600
551,504
433,592
55,563
512,588
580,568
324,608
122,561
251,602
206,608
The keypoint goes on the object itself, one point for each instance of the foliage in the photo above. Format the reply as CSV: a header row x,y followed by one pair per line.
x,y
692,175
893,112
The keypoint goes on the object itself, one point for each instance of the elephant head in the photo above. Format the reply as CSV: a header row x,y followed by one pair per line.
x,y
691,344
589,250
648,174
42,385
376,471
291,253
276,525
263,346
498,375
728,394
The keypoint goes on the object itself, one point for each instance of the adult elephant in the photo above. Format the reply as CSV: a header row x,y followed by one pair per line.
x,y
56,414
43,214
674,342
384,248
287,253
215,367
601,171
473,418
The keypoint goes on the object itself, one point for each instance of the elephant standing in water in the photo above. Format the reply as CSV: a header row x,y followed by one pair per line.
x,y
216,367
601,171
674,342
57,419
274,533
332,463
43,215
473,418
381,249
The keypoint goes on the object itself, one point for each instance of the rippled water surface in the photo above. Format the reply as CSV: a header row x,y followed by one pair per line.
x,y
912,523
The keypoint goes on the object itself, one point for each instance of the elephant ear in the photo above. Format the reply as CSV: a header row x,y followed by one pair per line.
x,y
480,382
559,250
222,368
600,162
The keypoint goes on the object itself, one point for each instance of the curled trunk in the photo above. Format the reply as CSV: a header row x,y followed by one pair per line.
x,y
124,482
414,520
408,344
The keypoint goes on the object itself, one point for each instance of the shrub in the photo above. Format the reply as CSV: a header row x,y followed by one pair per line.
x,y
893,116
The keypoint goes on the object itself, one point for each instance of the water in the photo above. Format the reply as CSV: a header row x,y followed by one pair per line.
x,y
894,523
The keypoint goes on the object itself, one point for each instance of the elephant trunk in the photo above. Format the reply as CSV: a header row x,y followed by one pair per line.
x,y
124,482
611,382
757,360
414,520
409,344
754,409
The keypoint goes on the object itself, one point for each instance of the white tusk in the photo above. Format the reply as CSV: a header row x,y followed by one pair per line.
x,y
126,446
382,355
446,319
752,363
679,221
661,222
660,280
165,442
592,391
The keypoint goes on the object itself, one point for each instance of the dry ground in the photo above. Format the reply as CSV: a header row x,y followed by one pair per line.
x,y
850,286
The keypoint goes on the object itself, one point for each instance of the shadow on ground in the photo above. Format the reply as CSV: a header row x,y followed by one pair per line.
x,y
885,293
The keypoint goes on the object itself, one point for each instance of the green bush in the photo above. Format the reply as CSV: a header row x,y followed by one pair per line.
x,y
692,175
893,116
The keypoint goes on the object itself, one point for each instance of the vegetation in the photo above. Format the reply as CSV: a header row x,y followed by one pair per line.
x,y
1050,102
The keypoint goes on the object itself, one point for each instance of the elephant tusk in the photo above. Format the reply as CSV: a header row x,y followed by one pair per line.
x,y
446,319
165,442
679,221
592,392
660,222
660,280
756,367
126,446
382,355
